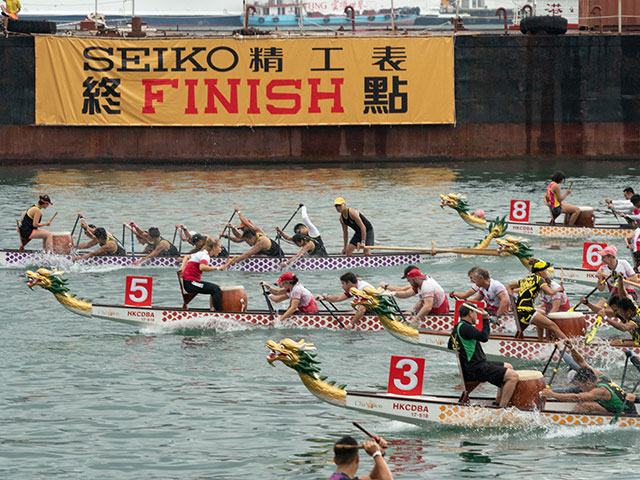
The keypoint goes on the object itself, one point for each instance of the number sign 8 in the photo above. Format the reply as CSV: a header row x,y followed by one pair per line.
x,y
519,211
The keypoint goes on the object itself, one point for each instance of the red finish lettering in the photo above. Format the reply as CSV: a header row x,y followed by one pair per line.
x,y
336,95
231,105
253,83
151,96
272,95
191,97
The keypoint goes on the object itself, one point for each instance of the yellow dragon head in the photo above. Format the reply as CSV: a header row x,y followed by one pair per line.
x,y
48,280
457,202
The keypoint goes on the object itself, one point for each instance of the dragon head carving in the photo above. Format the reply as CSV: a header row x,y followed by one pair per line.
x,y
516,246
294,355
456,201
48,280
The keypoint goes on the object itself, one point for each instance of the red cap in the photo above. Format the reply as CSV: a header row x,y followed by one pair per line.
x,y
415,273
285,277
45,199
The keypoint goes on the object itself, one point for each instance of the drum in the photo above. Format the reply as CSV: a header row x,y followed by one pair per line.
x,y
527,393
586,218
572,324
234,299
62,242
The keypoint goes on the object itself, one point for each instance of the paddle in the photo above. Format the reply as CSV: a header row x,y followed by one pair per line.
x,y
632,283
175,232
133,255
278,236
228,236
361,428
73,230
269,304
331,312
124,232
553,375
433,251
395,304
624,370
592,333
590,293
544,370
54,216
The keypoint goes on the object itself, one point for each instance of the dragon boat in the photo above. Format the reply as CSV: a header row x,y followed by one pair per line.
x,y
423,410
29,258
538,229
499,347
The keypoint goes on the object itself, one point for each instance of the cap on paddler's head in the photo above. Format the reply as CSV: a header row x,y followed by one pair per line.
x,y
610,250
285,277
339,201
196,238
415,273
45,199
407,270
540,266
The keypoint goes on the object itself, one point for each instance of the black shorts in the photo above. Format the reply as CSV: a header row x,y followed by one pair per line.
x,y
556,211
525,317
357,238
636,257
492,372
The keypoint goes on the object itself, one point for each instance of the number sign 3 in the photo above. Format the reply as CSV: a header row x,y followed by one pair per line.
x,y
138,291
406,375
519,211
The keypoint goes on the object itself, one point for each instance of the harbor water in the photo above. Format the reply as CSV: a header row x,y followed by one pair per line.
x,y
87,398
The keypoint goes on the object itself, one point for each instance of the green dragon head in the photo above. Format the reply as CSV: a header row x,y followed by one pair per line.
x,y
516,246
456,201
375,300
294,355
498,227
48,280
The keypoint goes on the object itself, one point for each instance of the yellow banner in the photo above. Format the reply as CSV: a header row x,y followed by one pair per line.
x,y
231,82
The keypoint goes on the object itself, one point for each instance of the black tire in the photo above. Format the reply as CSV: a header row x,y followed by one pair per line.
x,y
261,20
326,19
544,25
276,19
31,26
371,18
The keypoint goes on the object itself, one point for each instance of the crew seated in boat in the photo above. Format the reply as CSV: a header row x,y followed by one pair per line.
x,y
142,236
626,317
528,289
553,199
347,459
633,243
192,268
310,246
486,289
433,299
197,240
235,234
466,340
557,302
301,299
260,245
351,218
349,281
633,217
29,225
596,396
306,229
622,206
157,246
109,245
613,268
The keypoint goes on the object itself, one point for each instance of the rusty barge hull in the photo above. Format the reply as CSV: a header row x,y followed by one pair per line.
x,y
515,96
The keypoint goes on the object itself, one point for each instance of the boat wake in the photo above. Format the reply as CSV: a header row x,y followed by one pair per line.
x,y
197,327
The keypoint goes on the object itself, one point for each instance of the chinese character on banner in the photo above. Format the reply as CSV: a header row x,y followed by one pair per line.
x,y
553,9
393,57
138,291
378,99
266,59
456,316
101,94
406,375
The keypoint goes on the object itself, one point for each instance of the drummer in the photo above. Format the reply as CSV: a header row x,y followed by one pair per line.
x,y
528,289
554,197
192,268
466,340
349,281
433,299
487,289
611,269
558,302
29,225
260,245
290,287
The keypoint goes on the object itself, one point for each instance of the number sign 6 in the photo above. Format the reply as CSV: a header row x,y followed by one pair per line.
x,y
591,257
519,211
406,375
138,291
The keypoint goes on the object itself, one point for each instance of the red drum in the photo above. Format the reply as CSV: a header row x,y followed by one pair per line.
x,y
527,393
586,218
234,299
572,324
62,242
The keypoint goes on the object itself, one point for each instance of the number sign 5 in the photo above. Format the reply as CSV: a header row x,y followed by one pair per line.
x,y
406,375
138,291
591,257
519,211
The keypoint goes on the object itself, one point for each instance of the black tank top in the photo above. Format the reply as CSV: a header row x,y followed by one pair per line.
x,y
172,250
273,251
350,222
26,224
318,247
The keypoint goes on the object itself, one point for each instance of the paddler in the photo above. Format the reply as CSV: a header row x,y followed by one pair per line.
x,y
528,289
308,245
349,281
622,313
235,233
612,268
157,245
301,299
29,225
633,244
306,229
487,289
433,299
109,244
351,218
554,197
622,206
197,240
260,245
347,459
466,340
596,396
192,268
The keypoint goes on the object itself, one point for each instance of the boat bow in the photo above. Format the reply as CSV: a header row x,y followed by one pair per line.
x,y
53,282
